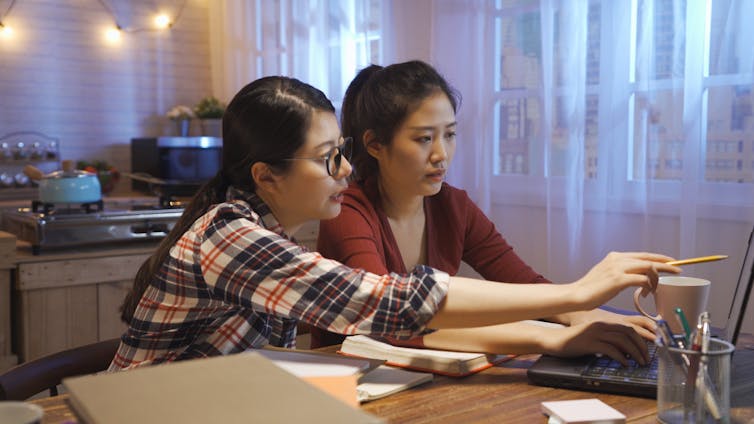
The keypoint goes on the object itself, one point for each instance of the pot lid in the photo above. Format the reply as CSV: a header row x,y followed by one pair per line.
x,y
68,171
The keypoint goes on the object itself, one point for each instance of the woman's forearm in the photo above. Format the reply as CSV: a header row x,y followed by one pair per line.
x,y
477,303
515,338
615,340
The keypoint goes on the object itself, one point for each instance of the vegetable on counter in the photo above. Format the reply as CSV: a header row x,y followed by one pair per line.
x,y
107,174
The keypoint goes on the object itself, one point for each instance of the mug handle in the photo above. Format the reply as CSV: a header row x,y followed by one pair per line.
x,y
637,293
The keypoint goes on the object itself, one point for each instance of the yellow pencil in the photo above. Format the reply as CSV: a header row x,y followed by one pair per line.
x,y
697,260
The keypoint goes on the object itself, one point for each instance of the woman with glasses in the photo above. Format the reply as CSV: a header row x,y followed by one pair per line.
x,y
398,213
230,277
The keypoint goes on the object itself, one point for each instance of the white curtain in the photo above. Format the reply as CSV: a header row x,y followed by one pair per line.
x,y
321,42
591,126
461,49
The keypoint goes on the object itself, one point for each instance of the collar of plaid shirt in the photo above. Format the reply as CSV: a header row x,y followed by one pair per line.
x,y
258,206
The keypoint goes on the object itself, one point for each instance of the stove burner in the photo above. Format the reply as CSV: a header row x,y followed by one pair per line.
x,y
87,224
170,202
47,208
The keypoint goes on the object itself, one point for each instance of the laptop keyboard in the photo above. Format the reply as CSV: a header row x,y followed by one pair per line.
x,y
607,368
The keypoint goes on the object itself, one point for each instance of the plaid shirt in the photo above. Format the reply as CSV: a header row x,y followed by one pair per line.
x,y
235,281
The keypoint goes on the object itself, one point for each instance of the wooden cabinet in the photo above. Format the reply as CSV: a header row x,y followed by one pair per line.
x,y
7,264
67,299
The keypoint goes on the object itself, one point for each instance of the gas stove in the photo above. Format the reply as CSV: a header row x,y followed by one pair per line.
x,y
50,226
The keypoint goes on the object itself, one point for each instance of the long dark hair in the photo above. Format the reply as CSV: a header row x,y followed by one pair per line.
x,y
379,99
267,121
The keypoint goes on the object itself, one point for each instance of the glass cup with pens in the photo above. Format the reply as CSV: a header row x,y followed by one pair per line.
x,y
693,384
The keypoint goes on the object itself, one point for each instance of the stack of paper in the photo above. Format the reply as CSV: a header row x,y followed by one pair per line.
x,y
331,373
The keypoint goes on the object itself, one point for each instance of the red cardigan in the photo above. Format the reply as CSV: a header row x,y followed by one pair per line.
x,y
456,230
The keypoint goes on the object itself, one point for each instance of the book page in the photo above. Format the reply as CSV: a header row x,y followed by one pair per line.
x,y
382,346
386,380
303,364
444,362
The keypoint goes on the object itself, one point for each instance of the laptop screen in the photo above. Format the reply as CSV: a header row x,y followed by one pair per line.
x,y
741,295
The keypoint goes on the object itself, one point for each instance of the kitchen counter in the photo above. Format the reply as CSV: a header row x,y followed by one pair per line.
x,y
115,201
63,297
24,253
67,297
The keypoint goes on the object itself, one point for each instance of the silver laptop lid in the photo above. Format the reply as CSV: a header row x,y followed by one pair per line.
x,y
741,295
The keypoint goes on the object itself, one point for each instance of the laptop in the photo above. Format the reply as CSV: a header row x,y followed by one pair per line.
x,y
602,374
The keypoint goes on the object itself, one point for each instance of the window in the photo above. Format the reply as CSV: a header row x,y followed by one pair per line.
x,y
321,42
625,92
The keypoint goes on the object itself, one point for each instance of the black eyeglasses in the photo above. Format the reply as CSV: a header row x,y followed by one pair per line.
x,y
334,156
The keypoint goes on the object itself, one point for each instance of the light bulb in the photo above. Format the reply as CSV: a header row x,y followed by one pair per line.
x,y
113,34
162,21
5,31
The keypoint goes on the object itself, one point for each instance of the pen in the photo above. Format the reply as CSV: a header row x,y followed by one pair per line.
x,y
706,333
684,323
703,382
692,382
690,261
666,333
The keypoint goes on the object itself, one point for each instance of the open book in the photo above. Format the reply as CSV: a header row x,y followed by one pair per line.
x,y
385,381
454,364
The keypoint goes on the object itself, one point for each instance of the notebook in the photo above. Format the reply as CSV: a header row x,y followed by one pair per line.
x,y
579,373
240,388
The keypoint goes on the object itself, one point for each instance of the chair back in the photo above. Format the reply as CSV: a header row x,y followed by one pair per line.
x,y
26,380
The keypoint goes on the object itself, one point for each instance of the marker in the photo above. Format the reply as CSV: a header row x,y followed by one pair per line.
x,y
684,323
666,334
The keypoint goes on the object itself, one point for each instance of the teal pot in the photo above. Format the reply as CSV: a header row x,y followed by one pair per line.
x,y
66,186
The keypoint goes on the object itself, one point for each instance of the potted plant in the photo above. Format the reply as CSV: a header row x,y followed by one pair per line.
x,y
210,110
181,115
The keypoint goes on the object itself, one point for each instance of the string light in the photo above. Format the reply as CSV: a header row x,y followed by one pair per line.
x,y
113,35
6,31
162,21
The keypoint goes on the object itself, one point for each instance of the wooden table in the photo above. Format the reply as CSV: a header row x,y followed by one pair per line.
x,y
503,395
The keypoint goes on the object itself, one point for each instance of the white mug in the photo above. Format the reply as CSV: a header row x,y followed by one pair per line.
x,y
688,293
14,412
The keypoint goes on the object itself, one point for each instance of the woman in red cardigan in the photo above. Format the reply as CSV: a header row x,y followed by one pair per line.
x,y
398,213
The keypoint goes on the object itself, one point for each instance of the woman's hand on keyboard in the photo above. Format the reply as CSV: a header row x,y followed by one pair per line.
x,y
617,341
643,325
